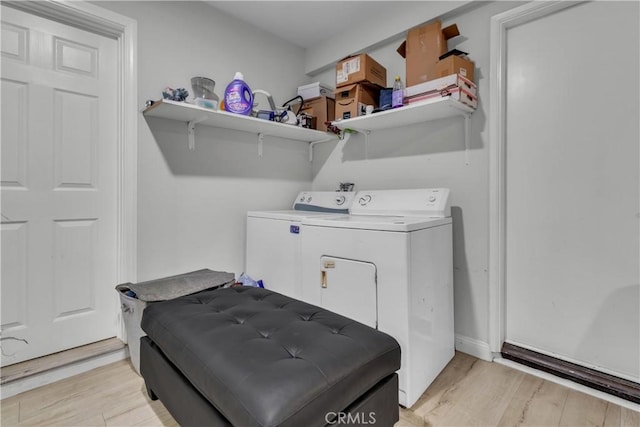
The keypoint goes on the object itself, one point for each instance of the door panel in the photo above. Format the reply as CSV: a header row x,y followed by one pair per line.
x,y
350,288
14,133
59,170
572,192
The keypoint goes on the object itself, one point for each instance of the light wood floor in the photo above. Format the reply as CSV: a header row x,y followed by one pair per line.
x,y
469,392
58,360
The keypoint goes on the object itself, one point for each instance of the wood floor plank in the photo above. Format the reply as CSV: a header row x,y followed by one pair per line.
x,y
409,418
479,398
629,418
81,393
617,416
9,411
536,402
454,372
583,410
613,416
57,360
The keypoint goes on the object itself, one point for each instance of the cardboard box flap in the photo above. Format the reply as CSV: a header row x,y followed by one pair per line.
x,y
345,88
402,49
455,52
450,32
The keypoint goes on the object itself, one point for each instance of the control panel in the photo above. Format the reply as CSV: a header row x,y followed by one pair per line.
x,y
324,201
431,202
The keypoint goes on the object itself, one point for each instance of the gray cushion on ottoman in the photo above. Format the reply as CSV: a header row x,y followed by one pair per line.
x,y
264,359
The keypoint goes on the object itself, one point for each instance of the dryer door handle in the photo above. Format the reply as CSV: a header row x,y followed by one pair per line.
x,y
323,280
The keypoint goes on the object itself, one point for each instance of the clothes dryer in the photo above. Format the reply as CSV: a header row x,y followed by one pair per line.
x,y
273,238
389,264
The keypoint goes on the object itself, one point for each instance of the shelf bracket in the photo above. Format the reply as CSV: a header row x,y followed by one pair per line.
x,y
366,144
260,143
313,143
467,118
191,128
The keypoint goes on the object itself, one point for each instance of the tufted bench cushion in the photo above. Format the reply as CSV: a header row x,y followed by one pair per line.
x,y
264,359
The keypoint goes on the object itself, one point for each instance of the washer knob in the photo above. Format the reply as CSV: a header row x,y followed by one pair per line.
x,y
364,200
432,198
340,200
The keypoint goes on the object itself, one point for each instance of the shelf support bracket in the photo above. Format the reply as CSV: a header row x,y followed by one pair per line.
x,y
313,143
260,143
366,144
467,118
191,128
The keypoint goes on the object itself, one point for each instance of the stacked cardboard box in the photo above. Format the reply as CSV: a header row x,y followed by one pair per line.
x,y
423,50
360,68
432,70
358,82
352,100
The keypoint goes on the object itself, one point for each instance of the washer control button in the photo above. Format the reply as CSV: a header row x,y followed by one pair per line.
x,y
340,200
364,200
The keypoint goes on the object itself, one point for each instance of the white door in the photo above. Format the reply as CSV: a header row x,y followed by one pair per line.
x,y
572,186
59,87
350,289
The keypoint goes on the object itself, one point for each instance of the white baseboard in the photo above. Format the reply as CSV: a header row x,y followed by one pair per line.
x,y
53,375
474,347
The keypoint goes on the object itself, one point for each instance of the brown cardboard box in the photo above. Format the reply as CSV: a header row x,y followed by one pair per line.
x,y
454,65
352,100
423,47
322,108
360,68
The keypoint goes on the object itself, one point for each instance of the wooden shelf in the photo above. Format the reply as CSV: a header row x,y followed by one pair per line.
x,y
432,109
193,115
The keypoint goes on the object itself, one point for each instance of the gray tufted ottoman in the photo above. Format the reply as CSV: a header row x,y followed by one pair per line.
x,y
251,357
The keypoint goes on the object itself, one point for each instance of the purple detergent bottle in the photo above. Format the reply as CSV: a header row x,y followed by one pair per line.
x,y
238,97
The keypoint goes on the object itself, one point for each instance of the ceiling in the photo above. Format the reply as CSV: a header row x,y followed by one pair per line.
x,y
305,22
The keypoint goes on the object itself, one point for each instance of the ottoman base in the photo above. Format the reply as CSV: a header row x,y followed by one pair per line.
x,y
376,407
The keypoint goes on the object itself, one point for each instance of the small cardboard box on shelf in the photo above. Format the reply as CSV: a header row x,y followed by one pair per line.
x,y
352,100
314,90
360,68
455,65
322,108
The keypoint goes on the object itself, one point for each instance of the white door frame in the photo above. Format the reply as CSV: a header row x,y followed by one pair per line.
x,y
497,161
106,23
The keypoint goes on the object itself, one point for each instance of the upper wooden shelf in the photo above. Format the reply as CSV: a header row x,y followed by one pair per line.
x,y
432,109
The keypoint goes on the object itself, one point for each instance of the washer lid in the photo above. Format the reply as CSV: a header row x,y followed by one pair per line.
x,y
377,222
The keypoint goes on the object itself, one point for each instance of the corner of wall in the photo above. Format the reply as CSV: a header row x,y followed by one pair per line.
x,y
474,347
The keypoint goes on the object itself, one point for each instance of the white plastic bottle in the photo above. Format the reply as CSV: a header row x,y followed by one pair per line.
x,y
397,96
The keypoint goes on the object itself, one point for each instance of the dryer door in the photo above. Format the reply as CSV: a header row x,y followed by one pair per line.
x,y
349,288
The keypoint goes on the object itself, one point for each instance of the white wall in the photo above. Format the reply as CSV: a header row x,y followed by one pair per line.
x,y
433,155
192,204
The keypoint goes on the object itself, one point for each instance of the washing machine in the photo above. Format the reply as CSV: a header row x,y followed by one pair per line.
x,y
273,251
389,264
